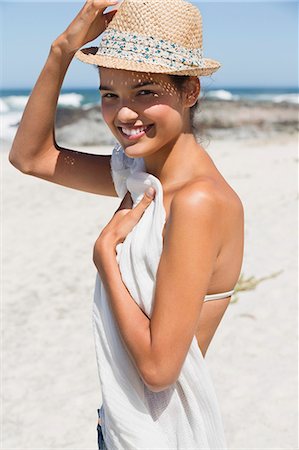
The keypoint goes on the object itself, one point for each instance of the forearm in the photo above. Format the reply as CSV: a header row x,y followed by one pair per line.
x,y
133,324
35,133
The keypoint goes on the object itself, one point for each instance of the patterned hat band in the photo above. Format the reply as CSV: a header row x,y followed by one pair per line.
x,y
143,48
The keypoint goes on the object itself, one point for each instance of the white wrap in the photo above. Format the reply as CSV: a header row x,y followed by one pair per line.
x,y
184,416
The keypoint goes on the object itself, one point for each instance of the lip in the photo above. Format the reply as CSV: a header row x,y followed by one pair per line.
x,y
137,136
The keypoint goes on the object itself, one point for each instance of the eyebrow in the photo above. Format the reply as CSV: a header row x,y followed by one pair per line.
x,y
144,83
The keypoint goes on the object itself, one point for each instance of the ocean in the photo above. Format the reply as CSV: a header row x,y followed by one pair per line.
x,y
13,101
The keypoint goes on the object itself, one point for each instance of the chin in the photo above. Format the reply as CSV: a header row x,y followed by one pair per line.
x,y
132,154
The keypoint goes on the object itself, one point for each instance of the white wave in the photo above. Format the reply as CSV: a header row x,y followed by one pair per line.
x,y
290,98
14,102
71,99
3,107
12,108
9,125
221,94
88,105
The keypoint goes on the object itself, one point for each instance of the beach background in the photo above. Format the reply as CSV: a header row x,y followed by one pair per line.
x,y
49,381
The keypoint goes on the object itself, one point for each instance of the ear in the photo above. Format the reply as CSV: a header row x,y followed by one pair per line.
x,y
192,91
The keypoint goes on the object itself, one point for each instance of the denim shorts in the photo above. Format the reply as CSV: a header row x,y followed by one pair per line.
x,y
101,442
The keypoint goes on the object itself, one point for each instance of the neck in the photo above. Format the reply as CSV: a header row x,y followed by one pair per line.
x,y
177,163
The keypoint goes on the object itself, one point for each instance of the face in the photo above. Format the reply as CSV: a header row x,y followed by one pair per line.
x,y
144,111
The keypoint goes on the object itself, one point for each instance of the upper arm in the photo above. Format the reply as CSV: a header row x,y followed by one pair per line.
x,y
74,169
187,262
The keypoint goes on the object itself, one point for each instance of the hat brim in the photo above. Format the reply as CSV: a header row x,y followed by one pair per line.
x,y
88,55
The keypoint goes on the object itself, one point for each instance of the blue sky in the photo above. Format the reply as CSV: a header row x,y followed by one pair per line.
x,y
256,42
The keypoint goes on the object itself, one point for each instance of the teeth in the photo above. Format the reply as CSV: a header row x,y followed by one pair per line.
x,y
133,132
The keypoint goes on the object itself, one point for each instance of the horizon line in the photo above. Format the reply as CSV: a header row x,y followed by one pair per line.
x,y
205,87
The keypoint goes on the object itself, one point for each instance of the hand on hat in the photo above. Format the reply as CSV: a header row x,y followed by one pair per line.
x,y
89,23
122,222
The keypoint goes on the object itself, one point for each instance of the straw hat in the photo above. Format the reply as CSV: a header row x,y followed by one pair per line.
x,y
158,36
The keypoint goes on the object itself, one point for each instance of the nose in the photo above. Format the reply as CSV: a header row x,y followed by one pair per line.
x,y
126,114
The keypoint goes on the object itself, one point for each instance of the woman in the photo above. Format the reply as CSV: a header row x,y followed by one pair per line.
x,y
162,256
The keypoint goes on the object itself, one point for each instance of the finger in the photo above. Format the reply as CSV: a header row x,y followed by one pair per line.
x,y
98,23
150,192
147,199
93,7
101,4
128,218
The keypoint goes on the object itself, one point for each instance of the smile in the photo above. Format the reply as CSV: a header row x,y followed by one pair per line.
x,y
136,133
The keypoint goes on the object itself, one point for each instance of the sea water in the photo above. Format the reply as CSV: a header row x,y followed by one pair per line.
x,y
13,101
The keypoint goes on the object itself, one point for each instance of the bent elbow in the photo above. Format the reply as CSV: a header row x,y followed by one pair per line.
x,y
154,387
19,165
156,381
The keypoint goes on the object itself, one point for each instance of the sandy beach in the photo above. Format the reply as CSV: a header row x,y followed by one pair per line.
x,y
49,374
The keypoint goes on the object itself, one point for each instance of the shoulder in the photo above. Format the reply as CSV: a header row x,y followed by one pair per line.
x,y
193,213
206,193
207,208
195,197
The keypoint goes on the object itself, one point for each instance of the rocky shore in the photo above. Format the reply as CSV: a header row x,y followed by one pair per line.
x,y
213,119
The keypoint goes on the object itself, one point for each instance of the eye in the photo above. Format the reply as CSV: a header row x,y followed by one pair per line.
x,y
106,95
144,90
148,92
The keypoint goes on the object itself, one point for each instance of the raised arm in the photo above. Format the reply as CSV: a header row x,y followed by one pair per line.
x,y
34,150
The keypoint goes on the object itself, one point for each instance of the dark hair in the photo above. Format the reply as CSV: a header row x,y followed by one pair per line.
x,y
179,81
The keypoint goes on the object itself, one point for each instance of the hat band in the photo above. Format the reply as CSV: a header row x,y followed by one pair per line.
x,y
148,49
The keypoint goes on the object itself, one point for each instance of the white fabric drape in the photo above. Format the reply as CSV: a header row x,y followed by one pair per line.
x,y
187,414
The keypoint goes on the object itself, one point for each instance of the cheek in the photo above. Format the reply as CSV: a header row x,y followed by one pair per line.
x,y
164,115
107,113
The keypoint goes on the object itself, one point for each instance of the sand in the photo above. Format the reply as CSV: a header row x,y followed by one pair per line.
x,y
49,374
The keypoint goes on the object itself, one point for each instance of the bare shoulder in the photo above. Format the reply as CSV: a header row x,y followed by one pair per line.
x,y
207,193
227,213
210,204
